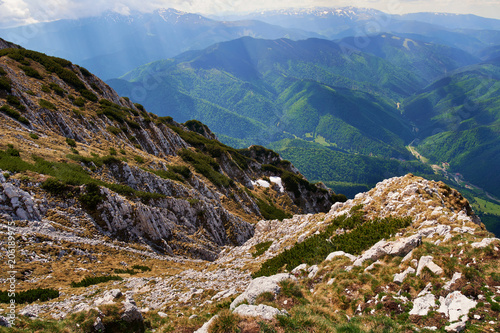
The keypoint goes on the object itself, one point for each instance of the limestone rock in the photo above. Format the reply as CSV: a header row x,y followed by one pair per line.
x,y
423,304
298,269
261,285
399,247
485,242
313,270
455,327
340,253
426,261
4,322
456,276
263,311
456,305
399,278
130,312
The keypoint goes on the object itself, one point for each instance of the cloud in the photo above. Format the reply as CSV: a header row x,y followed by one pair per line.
x,y
17,12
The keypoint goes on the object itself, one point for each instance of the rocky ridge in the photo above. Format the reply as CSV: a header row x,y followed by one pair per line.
x,y
405,277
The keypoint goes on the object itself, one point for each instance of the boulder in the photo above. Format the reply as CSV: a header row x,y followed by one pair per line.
x,y
456,305
298,269
262,311
455,327
4,322
426,261
313,270
454,279
399,278
338,254
130,312
483,243
261,285
400,247
423,304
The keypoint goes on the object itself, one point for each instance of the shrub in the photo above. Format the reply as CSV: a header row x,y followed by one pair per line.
x,y
56,187
270,212
261,248
314,249
30,296
112,151
91,280
142,268
71,142
79,102
88,95
206,166
84,71
31,72
15,102
46,104
45,89
92,197
14,114
5,84
57,89
113,130
139,159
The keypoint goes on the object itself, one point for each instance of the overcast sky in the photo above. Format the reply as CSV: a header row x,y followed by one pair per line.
x,y
19,12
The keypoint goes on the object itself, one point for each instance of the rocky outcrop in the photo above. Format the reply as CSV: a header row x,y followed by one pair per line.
x,y
261,285
261,311
400,247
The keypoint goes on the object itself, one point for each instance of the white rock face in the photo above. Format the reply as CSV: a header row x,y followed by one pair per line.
x,y
340,253
399,247
426,261
399,278
261,285
261,310
423,304
456,305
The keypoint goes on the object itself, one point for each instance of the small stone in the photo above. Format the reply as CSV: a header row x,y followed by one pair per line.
x,y
455,327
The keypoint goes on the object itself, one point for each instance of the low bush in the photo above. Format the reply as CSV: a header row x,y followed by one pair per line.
x,y
30,296
71,142
56,187
15,102
226,322
91,280
270,212
46,104
31,72
261,248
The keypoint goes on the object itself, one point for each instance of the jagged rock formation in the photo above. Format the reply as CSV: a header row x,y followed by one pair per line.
x,y
169,185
